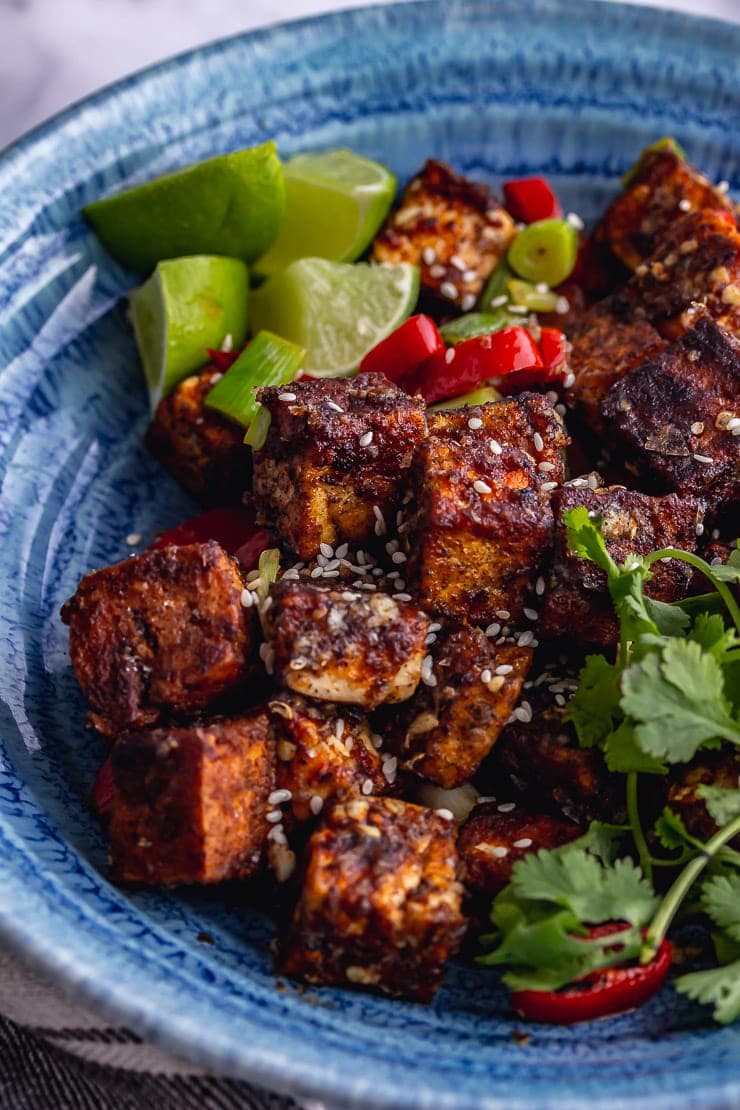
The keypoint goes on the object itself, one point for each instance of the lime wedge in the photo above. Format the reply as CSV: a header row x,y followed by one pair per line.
x,y
187,304
334,204
337,312
231,205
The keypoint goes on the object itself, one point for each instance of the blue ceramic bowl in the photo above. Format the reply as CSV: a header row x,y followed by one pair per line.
x,y
570,89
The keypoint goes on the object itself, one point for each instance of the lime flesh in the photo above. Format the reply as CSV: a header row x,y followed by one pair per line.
x,y
336,311
232,205
187,304
335,203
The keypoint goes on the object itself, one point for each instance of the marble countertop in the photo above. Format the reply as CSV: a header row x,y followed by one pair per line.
x,y
57,51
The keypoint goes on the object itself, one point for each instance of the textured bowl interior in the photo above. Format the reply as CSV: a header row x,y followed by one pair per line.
x,y
569,89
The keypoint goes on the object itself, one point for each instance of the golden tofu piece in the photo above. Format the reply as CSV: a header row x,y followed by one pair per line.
x,y
190,802
324,751
345,646
335,459
163,631
453,229
447,729
201,448
380,903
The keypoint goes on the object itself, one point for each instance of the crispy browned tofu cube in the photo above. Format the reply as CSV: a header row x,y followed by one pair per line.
x,y
479,524
539,753
448,728
719,768
453,228
335,457
577,602
498,835
345,646
664,189
324,751
190,803
165,630
694,269
380,904
201,448
608,342
672,417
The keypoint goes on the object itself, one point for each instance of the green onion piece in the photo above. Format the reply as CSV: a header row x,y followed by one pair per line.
x,y
544,251
529,296
268,360
666,143
477,323
496,287
258,429
480,396
267,568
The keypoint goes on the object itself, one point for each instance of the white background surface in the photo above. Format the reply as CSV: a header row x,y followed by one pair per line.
x,y
52,52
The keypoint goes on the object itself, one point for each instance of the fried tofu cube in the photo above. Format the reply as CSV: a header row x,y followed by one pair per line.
x,y
720,769
663,189
671,418
201,448
345,646
335,457
577,603
453,229
190,803
479,524
380,903
448,728
694,269
323,751
496,836
539,754
163,631
608,342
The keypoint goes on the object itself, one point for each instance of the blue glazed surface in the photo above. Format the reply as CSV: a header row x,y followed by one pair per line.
x,y
572,89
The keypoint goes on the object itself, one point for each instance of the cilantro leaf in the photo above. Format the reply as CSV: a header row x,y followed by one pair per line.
x,y
669,619
710,633
622,753
584,539
723,803
726,572
595,704
719,987
676,698
720,898
671,831
600,839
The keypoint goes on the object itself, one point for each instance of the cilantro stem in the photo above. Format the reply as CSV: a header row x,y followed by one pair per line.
x,y
699,564
669,906
633,815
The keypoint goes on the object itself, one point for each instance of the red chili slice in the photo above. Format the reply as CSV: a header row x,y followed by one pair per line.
x,y
416,340
222,360
483,358
599,994
554,349
233,526
529,199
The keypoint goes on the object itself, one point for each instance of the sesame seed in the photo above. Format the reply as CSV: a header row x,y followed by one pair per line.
x,y
697,427
438,271
736,430
279,796
133,538
334,406
559,700
525,842
542,287
539,586
407,597
548,487
685,205
367,786
435,627
286,396
468,300
247,598
569,380
326,550
366,439
506,807
518,309
493,629
495,446
470,275
429,256
538,441
447,814
291,575
733,423
700,529
703,459
481,487
562,305
503,614
458,262
499,302
560,410
317,572
317,804
723,186
274,816
449,355
448,290
430,638
475,423
575,221
531,614
499,851
522,714
577,483
546,467
398,557
277,835
504,668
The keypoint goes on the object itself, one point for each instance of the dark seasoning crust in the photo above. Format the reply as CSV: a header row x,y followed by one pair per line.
x,y
428,624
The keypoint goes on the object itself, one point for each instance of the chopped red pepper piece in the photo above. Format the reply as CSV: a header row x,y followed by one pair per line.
x,y
416,340
222,360
483,358
101,795
599,994
554,350
233,526
529,199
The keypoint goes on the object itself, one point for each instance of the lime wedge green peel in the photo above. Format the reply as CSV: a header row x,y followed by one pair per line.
x,y
187,304
231,205
335,203
338,312
267,360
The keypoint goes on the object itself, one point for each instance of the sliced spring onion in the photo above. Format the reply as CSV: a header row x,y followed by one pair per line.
x,y
496,287
268,360
258,429
268,568
477,323
528,295
480,396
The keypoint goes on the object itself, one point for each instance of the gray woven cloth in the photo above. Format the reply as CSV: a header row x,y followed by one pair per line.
x,y
55,1055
